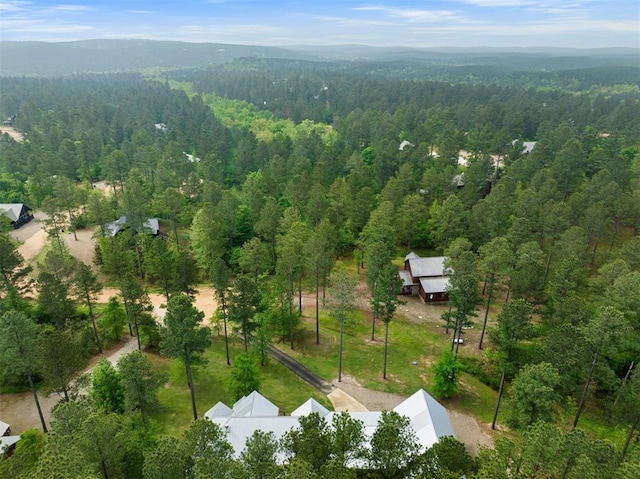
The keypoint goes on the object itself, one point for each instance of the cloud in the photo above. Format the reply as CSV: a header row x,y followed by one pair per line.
x,y
415,15
499,3
16,6
69,8
352,22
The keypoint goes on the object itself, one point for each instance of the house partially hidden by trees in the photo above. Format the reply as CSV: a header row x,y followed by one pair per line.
x,y
427,277
18,213
427,417
150,225
7,441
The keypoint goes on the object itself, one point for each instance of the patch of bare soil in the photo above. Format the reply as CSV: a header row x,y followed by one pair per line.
x,y
203,301
9,130
82,248
469,432
19,410
104,187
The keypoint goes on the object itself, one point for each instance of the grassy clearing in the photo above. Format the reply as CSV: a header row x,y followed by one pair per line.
x,y
409,342
278,384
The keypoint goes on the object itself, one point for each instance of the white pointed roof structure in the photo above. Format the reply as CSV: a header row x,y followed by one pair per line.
x,y
310,406
4,427
7,441
253,405
219,410
429,419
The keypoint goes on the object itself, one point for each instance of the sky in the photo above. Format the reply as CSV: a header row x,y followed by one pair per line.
x,y
417,23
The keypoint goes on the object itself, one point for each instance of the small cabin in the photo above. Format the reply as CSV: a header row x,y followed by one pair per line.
x,y
426,277
18,213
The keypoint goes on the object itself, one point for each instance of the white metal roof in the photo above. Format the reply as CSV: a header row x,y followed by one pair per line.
x,y
411,255
7,441
12,210
435,285
310,406
425,267
428,418
406,278
255,405
4,427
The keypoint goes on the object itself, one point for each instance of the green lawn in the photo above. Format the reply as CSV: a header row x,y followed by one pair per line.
x,y
363,359
278,385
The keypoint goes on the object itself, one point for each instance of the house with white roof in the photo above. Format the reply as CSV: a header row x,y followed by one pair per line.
x,y
7,441
428,418
426,277
151,225
18,213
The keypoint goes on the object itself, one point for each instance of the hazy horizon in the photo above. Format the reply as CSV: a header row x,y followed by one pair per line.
x,y
418,24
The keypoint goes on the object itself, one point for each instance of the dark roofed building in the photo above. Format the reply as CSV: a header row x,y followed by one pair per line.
x,y
427,277
18,213
151,225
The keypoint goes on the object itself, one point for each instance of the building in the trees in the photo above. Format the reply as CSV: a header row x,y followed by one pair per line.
x,y
7,441
151,225
428,419
18,213
426,277
9,121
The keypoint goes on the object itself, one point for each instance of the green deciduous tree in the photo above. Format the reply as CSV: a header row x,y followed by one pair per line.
x,y
310,442
244,377
141,384
394,446
533,395
445,375
107,389
183,337
258,457
209,452
347,439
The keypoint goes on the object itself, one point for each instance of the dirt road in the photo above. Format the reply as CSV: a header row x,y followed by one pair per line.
x,y
19,410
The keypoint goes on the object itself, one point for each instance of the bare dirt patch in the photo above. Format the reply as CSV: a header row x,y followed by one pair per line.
x,y
9,130
19,410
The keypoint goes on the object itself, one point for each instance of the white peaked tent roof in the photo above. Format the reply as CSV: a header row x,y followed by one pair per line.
x,y
12,210
4,427
429,419
310,406
219,410
255,404
7,441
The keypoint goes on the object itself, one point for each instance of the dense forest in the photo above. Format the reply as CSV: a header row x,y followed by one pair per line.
x,y
267,176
